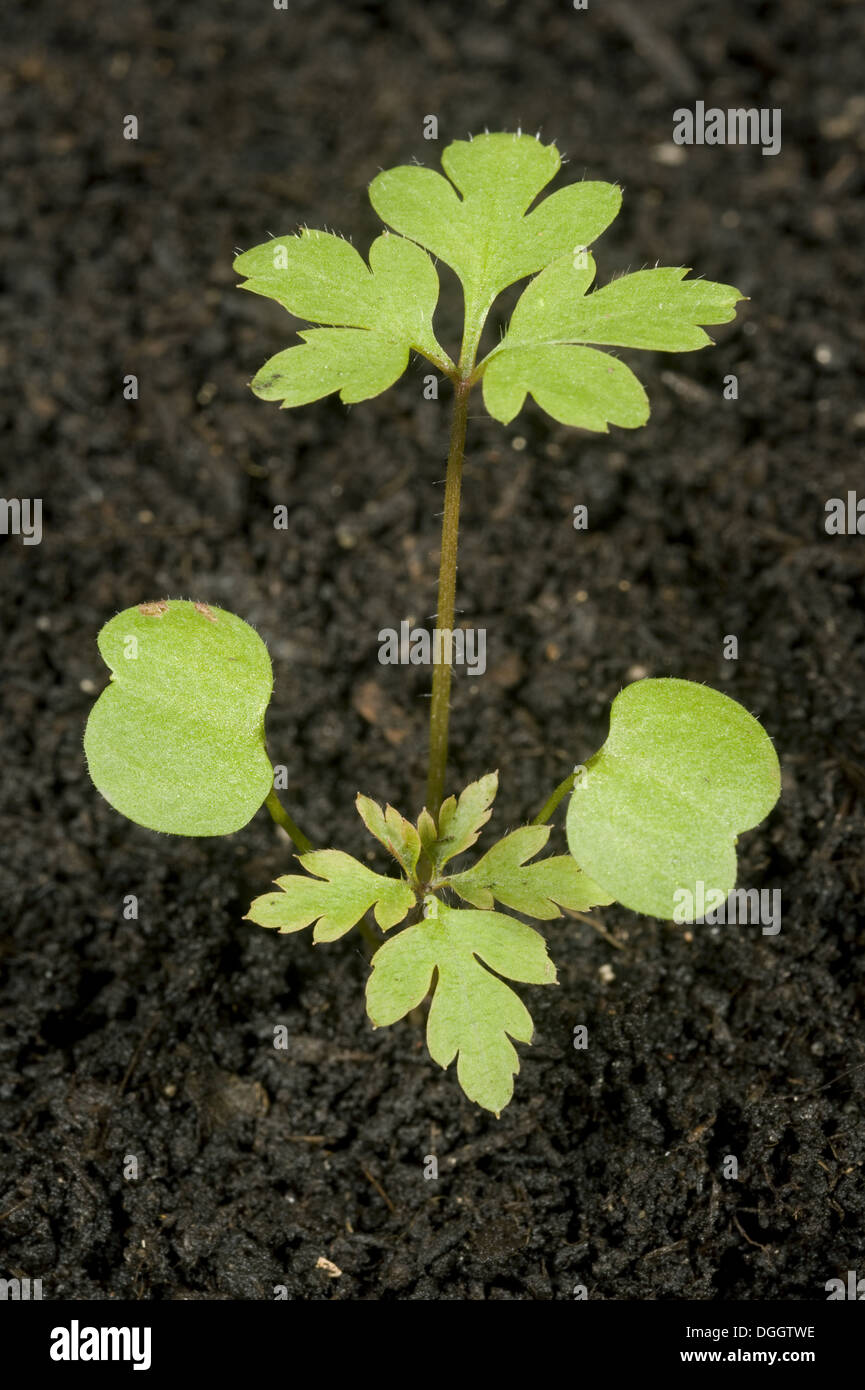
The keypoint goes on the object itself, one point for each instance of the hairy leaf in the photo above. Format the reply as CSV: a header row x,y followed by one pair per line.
x,y
473,1015
377,313
487,235
542,352
398,835
176,741
539,890
657,309
658,809
335,899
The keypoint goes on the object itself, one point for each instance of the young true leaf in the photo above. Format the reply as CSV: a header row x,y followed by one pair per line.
x,y
541,352
335,899
176,741
473,1013
399,836
487,235
538,890
427,830
383,310
460,822
658,809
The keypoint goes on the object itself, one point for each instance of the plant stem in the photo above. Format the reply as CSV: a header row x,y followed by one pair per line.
x,y
441,682
558,795
281,816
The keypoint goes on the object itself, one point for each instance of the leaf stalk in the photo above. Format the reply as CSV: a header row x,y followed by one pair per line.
x,y
281,817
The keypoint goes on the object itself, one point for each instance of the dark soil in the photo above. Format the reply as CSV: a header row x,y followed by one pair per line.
x,y
154,1037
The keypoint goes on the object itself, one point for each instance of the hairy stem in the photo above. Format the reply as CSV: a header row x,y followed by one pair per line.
x,y
441,682
281,816
558,795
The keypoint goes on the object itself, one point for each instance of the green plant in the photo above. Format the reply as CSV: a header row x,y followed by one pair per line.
x,y
176,741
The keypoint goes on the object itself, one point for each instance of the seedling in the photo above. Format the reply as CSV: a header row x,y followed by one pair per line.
x,y
176,741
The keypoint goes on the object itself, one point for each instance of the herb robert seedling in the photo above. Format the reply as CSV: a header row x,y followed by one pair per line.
x,y
176,741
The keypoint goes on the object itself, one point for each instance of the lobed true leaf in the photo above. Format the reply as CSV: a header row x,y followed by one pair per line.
x,y
377,314
473,1015
477,220
544,352
539,890
335,892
